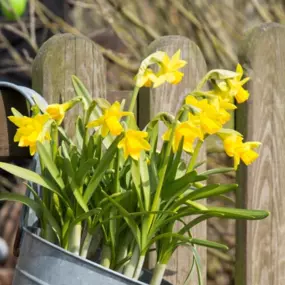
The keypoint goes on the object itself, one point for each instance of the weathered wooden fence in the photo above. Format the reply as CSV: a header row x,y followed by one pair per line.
x,y
261,245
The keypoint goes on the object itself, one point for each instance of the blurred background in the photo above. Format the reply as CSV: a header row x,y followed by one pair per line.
x,y
122,29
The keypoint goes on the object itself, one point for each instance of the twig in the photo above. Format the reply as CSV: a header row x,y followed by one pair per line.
x,y
33,25
135,20
12,51
187,14
261,11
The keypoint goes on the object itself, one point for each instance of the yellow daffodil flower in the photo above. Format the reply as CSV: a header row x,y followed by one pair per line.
x,y
236,89
110,121
133,143
222,106
30,130
169,70
207,117
145,75
189,131
147,79
232,88
57,111
234,147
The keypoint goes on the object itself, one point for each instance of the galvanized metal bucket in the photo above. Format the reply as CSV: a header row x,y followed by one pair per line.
x,y
43,263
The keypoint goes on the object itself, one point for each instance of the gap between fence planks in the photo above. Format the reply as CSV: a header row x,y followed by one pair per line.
x,y
261,244
8,149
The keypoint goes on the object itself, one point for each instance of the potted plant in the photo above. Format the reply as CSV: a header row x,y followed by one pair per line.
x,y
112,188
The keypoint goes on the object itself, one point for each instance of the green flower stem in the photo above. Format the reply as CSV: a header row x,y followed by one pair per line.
x,y
203,81
106,256
86,245
161,175
158,274
133,101
139,267
75,239
194,156
131,266
54,138
202,94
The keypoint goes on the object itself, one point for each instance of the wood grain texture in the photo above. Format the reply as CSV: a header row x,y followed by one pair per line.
x,y
61,57
120,95
261,244
169,98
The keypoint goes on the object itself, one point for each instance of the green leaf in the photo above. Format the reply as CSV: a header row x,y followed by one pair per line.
x,y
217,171
174,236
234,213
200,164
46,212
208,243
30,176
211,190
198,265
193,223
196,205
129,220
89,112
79,198
79,132
80,89
39,102
84,169
137,183
35,206
101,168
50,165
64,136
102,103
179,185
171,173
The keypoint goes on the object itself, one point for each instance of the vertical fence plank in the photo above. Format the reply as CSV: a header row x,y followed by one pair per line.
x,y
169,98
61,57
261,244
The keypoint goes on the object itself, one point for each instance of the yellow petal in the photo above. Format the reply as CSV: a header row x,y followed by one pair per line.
x,y
114,126
236,161
33,149
104,130
95,123
19,121
232,142
56,112
242,95
249,156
